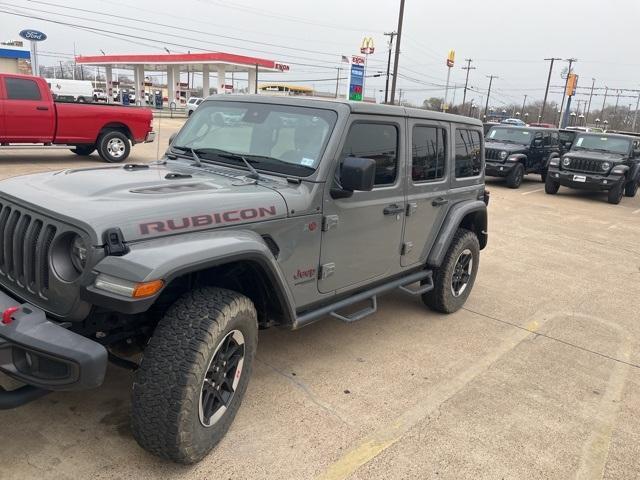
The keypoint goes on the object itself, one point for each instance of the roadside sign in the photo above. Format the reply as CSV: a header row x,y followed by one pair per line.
x,y
34,36
356,81
451,58
367,47
572,84
283,67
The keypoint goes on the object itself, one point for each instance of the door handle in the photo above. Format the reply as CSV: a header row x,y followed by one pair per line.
x,y
42,108
393,209
439,202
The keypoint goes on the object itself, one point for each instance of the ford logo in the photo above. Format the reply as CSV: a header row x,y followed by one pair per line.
x,y
33,35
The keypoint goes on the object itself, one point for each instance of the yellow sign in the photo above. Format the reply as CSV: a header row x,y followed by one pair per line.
x,y
367,47
572,84
451,58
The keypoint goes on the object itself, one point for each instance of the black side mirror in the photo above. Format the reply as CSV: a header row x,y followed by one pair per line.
x,y
173,135
357,174
636,153
537,142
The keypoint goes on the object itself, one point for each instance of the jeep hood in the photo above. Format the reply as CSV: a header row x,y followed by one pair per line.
x,y
147,201
507,147
593,155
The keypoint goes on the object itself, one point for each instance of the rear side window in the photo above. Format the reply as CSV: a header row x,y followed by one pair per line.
x,y
378,142
22,89
428,153
468,153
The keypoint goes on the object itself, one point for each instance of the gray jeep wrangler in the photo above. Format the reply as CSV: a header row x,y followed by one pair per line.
x,y
263,212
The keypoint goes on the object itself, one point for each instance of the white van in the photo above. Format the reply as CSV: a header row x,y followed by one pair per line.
x,y
65,90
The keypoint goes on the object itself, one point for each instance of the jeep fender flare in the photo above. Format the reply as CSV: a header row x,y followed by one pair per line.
x,y
548,159
168,258
471,215
516,157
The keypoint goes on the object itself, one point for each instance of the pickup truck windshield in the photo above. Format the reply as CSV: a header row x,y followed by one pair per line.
x,y
602,143
510,135
280,138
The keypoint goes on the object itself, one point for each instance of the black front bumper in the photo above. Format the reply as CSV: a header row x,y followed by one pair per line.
x,y
592,181
498,169
45,355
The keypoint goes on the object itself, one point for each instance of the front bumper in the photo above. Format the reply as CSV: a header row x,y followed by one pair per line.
x,y
592,181
45,355
498,169
151,137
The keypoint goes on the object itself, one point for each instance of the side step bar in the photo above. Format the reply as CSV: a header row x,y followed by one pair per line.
x,y
371,294
17,146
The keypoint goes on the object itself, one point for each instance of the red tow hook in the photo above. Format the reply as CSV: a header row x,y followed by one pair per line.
x,y
7,315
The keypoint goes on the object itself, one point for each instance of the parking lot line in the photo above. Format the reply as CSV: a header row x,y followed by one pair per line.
x,y
533,191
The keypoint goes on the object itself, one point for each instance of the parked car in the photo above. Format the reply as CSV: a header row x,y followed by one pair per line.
x,y
513,152
488,126
28,114
543,125
99,95
192,104
513,121
598,162
242,226
64,90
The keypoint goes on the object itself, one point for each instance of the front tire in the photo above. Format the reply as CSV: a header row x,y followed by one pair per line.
x,y
114,146
551,187
515,177
615,194
194,373
631,189
454,279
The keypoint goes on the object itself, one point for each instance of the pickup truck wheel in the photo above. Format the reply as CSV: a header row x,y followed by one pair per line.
x,y
615,194
550,186
194,374
114,146
631,188
514,179
84,150
454,279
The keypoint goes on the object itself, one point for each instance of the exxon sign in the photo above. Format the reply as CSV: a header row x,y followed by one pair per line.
x,y
33,35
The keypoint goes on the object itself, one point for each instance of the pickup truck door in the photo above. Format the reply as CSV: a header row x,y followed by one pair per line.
x,y
28,111
427,187
362,234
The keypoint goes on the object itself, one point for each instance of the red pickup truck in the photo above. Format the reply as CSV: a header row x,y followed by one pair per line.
x,y
28,115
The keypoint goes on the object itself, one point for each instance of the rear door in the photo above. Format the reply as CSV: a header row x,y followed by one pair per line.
x,y
362,234
28,112
467,167
428,183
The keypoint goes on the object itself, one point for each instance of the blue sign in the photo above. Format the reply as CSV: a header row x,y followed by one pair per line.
x,y
356,83
33,35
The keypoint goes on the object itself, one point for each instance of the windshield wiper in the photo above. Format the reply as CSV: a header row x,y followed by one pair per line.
x,y
254,173
194,155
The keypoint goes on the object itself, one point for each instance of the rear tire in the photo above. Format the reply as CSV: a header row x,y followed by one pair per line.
x,y
515,177
631,189
551,187
199,357
84,150
615,194
454,279
82,100
114,146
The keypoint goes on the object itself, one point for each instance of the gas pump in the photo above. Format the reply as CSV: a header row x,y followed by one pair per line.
x,y
124,95
158,99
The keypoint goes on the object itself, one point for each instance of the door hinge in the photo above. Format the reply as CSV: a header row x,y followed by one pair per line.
x,y
327,270
411,208
329,222
406,247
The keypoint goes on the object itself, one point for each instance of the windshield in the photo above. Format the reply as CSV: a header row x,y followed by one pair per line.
x,y
602,144
280,138
521,136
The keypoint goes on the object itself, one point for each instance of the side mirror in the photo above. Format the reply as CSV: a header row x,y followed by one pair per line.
x,y
636,153
357,174
173,135
537,142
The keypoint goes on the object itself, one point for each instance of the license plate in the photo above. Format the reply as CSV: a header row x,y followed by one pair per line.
x,y
579,178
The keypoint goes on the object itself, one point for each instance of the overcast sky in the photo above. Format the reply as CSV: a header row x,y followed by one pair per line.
x,y
506,38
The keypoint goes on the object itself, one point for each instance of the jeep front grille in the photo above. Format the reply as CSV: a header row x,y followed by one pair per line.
x,y
25,247
584,165
492,154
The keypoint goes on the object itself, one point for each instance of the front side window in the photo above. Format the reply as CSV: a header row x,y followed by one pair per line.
x,y
281,138
468,153
378,142
428,153
22,89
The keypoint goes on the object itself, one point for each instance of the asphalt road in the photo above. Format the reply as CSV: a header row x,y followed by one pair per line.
x,y
538,377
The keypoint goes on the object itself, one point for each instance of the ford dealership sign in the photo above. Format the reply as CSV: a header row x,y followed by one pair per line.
x,y
33,35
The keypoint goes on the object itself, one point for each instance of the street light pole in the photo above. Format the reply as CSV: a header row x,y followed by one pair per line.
x,y
546,92
586,117
486,107
604,102
466,82
397,54
523,104
615,111
635,115
566,83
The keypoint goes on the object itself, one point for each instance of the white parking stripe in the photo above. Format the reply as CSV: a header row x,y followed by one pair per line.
x,y
533,191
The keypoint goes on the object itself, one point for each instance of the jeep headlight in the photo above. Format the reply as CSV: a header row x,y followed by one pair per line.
x,y
78,253
605,166
566,162
503,155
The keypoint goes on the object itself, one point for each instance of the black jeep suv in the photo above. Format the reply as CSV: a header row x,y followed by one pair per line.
x,y
513,152
598,162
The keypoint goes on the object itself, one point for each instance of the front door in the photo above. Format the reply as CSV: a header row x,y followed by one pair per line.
x,y
28,116
427,186
362,234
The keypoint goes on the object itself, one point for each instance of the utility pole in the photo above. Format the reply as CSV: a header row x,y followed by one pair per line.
x,y
615,110
546,92
523,104
397,54
337,82
566,83
635,115
586,117
391,35
466,82
486,107
604,102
